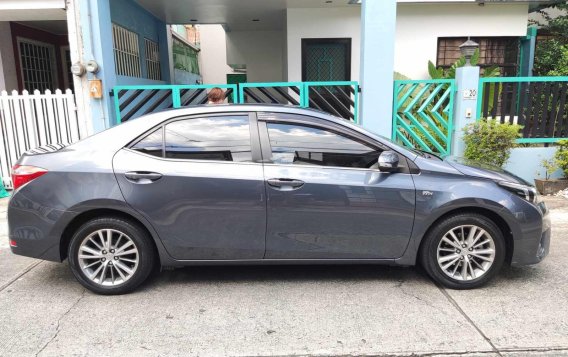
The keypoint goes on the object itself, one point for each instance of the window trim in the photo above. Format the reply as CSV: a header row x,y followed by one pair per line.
x,y
256,157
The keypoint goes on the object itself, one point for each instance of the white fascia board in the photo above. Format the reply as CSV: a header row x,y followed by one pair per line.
x,y
31,4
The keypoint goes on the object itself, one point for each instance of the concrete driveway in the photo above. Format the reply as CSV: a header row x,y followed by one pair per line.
x,y
283,310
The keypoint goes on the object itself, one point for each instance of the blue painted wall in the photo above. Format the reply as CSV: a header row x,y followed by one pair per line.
x,y
526,162
133,17
97,17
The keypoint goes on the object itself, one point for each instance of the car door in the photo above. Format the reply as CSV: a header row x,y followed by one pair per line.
x,y
199,182
326,199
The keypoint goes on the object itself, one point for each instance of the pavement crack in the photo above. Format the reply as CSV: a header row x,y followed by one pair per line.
x,y
399,285
57,327
20,274
460,310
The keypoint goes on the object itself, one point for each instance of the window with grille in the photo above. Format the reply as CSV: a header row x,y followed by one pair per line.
x,y
37,65
126,51
152,60
493,51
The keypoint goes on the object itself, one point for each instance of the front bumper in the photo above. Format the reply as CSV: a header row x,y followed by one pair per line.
x,y
534,246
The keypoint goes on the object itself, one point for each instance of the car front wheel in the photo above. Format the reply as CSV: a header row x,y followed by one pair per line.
x,y
111,256
463,251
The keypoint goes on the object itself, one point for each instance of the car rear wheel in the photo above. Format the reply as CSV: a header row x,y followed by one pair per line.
x,y
463,251
111,255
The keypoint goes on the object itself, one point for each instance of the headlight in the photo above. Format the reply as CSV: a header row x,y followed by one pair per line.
x,y
528,193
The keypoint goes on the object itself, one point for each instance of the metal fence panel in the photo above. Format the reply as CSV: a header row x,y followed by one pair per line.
x,y
133,101
423,114
337,98
539,104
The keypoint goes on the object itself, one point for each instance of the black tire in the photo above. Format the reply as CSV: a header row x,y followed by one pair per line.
x,y
140,238
429,250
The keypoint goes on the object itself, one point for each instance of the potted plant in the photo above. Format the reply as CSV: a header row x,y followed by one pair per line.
x,y
550,186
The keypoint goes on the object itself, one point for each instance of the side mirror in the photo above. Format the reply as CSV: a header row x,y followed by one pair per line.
x,y
388,161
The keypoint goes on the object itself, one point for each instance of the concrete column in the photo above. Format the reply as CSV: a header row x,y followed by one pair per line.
x,y
528,46
465,109
378,22
8,75
95,29
76,47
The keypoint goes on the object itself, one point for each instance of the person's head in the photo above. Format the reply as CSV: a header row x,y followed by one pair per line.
x,y
216,96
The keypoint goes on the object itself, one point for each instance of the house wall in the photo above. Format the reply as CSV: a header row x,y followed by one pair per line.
x,y
418,27
260,51
57,41
344,22
213,54
133,17
527,162
8,74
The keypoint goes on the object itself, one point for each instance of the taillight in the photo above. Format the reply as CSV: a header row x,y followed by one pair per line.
x,y
22,174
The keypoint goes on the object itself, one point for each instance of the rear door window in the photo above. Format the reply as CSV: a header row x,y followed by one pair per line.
x,y
215,138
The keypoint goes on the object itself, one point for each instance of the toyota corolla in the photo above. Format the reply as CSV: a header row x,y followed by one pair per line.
x,y
261,184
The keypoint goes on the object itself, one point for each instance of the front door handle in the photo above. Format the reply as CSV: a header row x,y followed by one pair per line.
x,y
285,184
142,176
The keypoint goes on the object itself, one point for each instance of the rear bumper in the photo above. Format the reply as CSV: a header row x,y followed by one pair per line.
x,y
534,246
36,231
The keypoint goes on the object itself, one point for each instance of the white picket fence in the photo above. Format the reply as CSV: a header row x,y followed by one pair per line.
x,y
31,120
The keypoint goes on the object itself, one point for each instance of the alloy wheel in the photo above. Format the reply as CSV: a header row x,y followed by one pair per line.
x,y
466,252
108,257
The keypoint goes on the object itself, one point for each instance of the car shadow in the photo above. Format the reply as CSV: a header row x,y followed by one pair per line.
x,y
60,273
285,273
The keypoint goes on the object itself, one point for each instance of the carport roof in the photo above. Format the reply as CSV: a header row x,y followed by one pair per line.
x,y
250,15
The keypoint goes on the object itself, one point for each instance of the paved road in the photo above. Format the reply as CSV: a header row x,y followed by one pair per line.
x,y
302,310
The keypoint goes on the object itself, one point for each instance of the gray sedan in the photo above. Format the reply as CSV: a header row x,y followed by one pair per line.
x,y
261,184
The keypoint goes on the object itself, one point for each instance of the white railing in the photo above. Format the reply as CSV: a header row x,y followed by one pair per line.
x,y
31,120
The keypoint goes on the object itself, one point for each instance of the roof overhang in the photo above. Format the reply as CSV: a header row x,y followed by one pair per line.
x,y
24,10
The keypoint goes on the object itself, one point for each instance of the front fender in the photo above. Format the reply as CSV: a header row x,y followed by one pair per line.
x,y
438,195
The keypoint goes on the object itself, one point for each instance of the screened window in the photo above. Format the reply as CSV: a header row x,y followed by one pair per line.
x,y
225,138
126,51
37,64
303,145
152,60
151,144
493,51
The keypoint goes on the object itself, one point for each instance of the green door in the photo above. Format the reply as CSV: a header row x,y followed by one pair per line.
x,y
235,78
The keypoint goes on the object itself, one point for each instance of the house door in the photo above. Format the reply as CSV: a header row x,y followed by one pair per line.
x,y
325,60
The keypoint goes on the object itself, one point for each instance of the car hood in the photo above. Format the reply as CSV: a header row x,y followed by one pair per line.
x,y
483,170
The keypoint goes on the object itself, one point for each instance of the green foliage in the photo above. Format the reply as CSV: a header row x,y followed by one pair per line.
x,y
450,73
551,55
399,76
561,156
489,141
550,166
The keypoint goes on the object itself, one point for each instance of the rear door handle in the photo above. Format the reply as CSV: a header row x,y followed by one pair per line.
x,y
285,184
142,176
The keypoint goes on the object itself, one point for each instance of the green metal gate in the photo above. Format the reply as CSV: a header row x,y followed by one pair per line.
x,y
423,114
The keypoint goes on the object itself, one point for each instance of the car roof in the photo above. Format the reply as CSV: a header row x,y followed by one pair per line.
x,y
121,135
